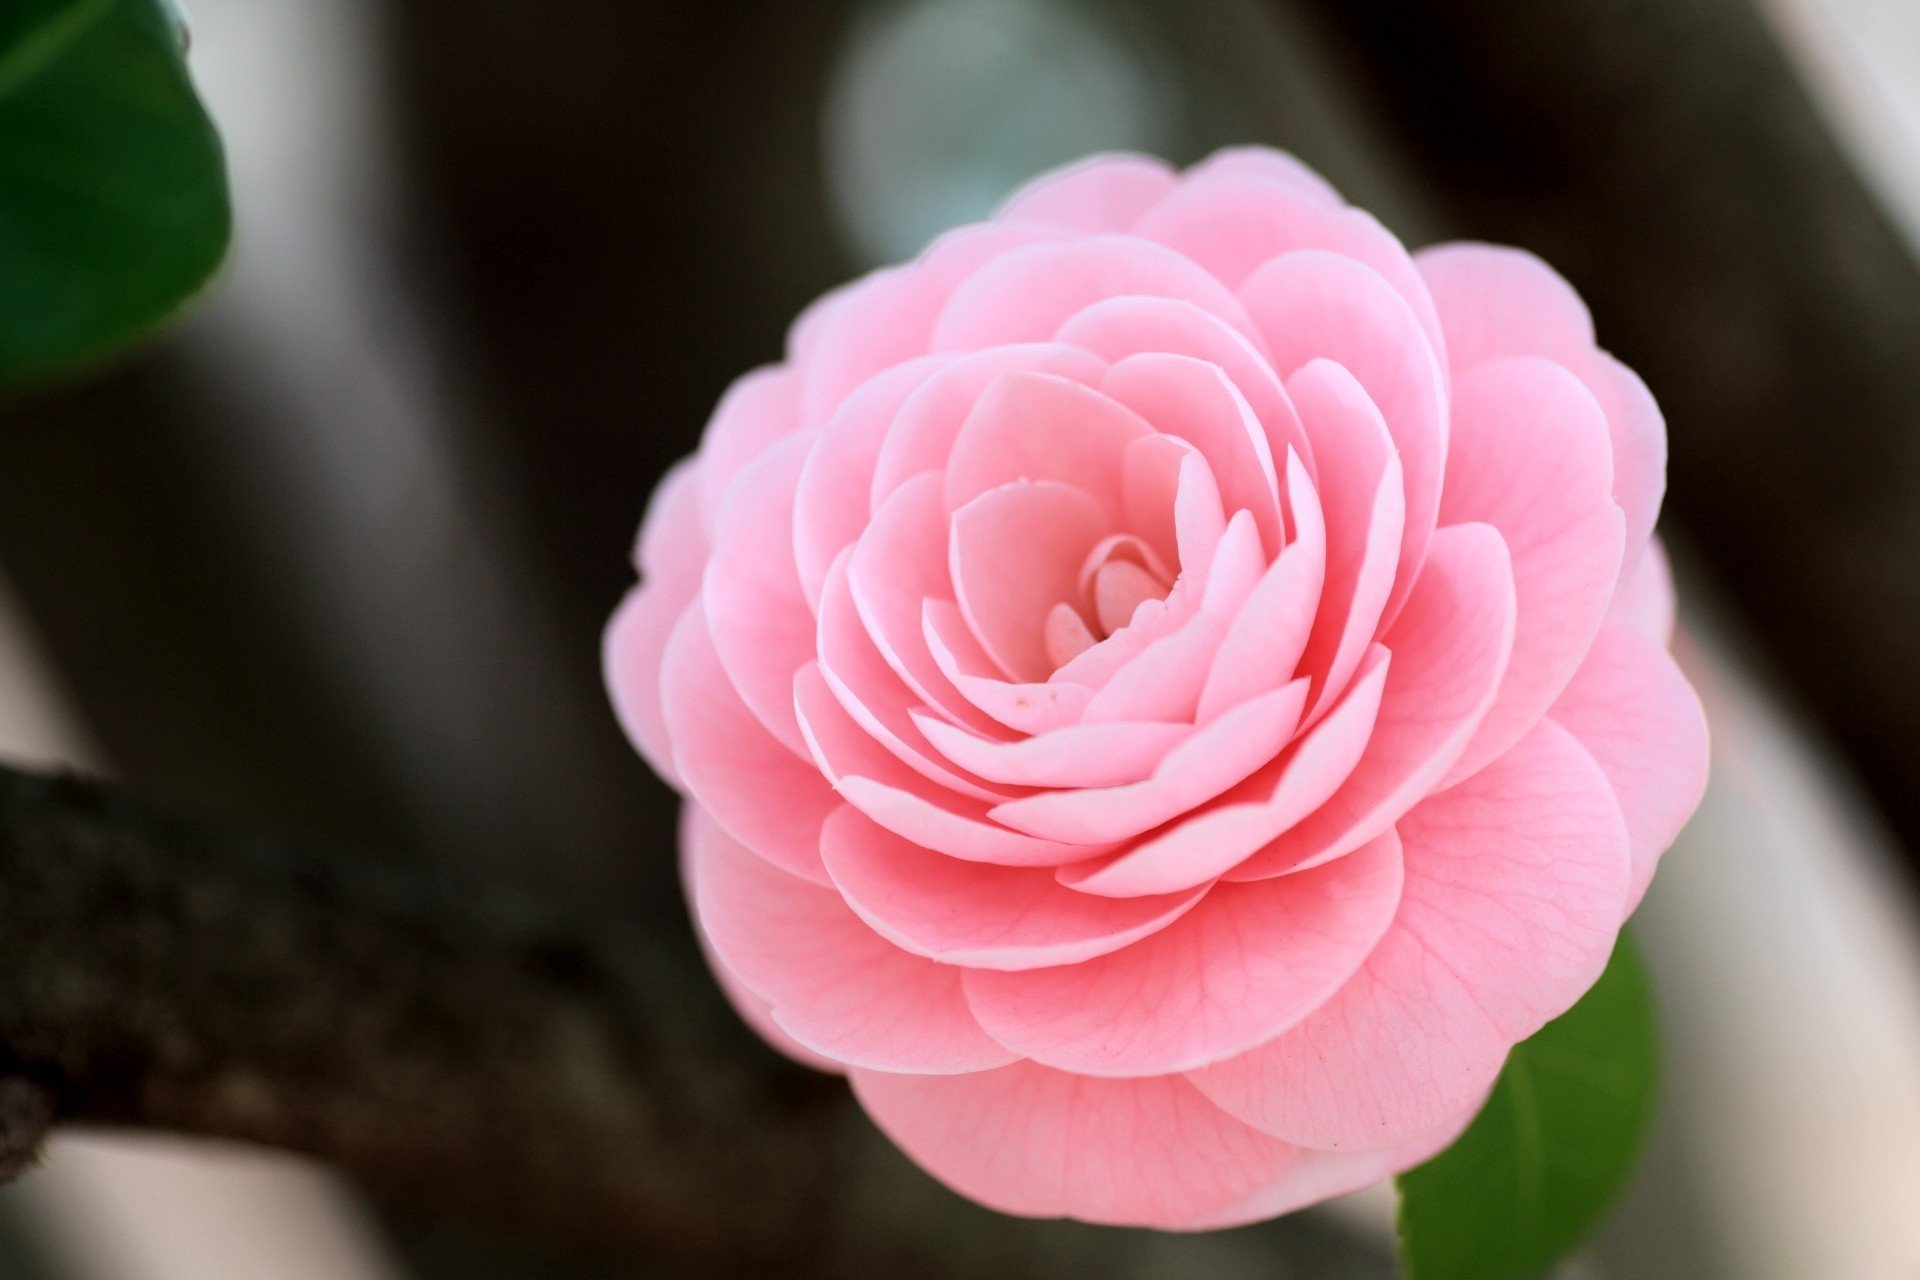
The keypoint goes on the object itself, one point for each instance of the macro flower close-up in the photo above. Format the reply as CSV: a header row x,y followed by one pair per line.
x,y
1168,688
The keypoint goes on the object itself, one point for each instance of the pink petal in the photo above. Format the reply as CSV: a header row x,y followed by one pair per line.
x,y
1645,600
1036,426
1214,758
869,691
1075,755
1357,478
1046,1144
1312,304
830,505
1237,970
1115,328
755,788
1218,836
1268,634
836,986
1273,166
756,410
929,421
1496,301
973,914
1100,193
1530,457
1026,708
696,826
1194,400
1232,224
670,553
1642,722
1024,295
1014,552
1322,1175
1515,884
755,609
1450,646
867,776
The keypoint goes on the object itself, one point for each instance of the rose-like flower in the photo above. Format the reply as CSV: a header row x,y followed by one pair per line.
x,y
1168,688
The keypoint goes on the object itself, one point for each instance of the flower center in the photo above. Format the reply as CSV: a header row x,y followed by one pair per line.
x,y
1121,573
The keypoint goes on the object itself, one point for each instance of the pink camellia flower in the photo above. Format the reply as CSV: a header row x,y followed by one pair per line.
x,y
1168,688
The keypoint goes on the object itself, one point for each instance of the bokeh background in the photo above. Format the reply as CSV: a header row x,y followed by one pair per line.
x,y
334,556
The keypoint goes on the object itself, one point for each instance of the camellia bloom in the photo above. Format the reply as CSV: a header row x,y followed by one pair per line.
x,y
1168,688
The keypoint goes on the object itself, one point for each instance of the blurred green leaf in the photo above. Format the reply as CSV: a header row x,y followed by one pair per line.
x,y
113,191
1553,1145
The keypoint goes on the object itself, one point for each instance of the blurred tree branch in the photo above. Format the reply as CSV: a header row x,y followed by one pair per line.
x,y
1666,156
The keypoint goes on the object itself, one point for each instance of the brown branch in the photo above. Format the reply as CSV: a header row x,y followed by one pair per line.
x,y
165,976
1665,155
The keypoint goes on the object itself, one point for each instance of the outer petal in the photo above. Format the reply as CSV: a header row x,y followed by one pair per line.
x,y
1239,969
835,986
1639,718
670,554
1100,193
1449,646
756,410
1274,166
1044,1144
1645,600
1516,883
1496,301
1531,458
973,914
753,787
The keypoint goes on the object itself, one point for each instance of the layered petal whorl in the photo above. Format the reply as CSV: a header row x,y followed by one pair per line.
x,y
1168,688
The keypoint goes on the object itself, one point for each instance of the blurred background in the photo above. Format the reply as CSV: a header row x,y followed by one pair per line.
x,y
334,556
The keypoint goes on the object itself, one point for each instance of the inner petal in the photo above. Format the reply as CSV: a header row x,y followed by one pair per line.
x,y
1015,552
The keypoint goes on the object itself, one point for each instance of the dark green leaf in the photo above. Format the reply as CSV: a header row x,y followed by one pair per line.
x,y
113,194
1529,1178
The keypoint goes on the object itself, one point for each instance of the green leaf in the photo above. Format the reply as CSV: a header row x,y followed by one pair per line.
x,y
113,190
1553,1145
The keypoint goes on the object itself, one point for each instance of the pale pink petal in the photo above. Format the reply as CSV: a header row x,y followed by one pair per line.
x,y
1496,301
1150,485
977,915
1013,553
756,612
869,691
1268,634
830,505
1515,886
1240,968
1357,478
1312,304
1273,166
756,1012
888,317
1322,1175
756,410
1075,755
1642,722
1100,193
835,986
1048,1144
1530,457
1214,758
1193,400
1115,328
1645,600
1232,224
929,421
1218,836
1037,426
1450,646
1026,708
670,553
767,799
1024,295
868,777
